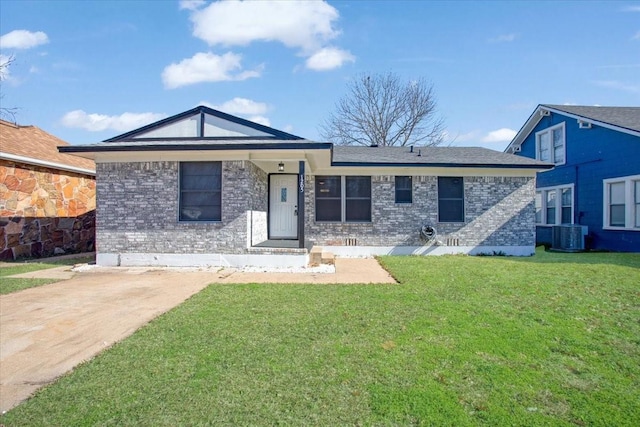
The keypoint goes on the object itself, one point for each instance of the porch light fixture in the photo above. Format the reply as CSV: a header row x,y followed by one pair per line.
x,y
280,167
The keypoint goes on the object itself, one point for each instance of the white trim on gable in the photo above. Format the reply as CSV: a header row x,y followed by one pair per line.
x,y
537,115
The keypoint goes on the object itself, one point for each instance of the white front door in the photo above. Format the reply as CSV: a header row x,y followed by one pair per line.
x,y
283,207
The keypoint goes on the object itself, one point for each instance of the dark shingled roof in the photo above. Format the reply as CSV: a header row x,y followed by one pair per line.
x,y
431,156
624,117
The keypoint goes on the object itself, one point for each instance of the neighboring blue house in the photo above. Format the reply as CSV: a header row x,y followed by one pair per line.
x,y
596,180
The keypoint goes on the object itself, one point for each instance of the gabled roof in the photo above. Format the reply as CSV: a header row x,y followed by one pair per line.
x,y
203,123
459,157
621,119
32,145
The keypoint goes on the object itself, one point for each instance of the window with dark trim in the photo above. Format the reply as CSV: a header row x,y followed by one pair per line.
x,y
450,199
358,198
403,189
328,198
200,191
343,199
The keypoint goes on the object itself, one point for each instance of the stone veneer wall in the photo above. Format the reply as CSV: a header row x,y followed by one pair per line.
x,y
45,211
499,211
138,209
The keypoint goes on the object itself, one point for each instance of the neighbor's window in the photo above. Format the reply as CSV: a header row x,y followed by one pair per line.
x,y
343,198
622,203
200,191
554,205
550,145
636,184
403,189
566,213
450,199
551,207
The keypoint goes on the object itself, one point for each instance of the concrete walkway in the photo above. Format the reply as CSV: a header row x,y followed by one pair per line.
x,y
48,330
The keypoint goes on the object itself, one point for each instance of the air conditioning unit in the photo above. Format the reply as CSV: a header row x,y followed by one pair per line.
x,y
568,238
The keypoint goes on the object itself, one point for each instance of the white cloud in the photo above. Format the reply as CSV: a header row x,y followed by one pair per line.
x,y
261,120
100,122
23,39
328,58
631,9
206,67
191,4
299,24
243,106
613,84
504,38
500,135
636,36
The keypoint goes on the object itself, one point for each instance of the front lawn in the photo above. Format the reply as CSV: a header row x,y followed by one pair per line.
x,y
548,340
12,284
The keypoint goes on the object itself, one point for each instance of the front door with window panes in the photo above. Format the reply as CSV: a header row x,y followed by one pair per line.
x,y
283,207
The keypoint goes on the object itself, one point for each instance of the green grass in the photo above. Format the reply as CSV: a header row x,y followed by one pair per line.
x,y
9,284
548,340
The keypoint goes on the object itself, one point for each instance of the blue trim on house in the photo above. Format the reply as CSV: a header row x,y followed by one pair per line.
x,y
277,134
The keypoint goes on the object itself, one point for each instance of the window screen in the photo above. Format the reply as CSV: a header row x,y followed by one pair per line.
x,y
450,199
403,189
200,191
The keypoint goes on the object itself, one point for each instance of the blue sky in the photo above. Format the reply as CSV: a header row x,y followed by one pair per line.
x,y
89,70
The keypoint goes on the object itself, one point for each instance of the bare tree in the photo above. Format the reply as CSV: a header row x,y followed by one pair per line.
x,y
383,110
6,112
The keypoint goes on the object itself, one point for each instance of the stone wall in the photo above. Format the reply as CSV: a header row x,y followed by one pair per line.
x,y
499,211
45,211
138,209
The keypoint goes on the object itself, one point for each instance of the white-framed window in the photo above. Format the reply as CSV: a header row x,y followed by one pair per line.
x,y
554,205
550,145
621,203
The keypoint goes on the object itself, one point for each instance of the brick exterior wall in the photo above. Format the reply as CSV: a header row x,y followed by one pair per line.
x,y
499,211
138,212
138,209
45,211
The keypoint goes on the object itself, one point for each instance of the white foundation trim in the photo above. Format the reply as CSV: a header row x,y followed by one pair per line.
x,y
201,260
368,251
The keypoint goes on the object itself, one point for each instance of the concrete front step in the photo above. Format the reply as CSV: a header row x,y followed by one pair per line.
x,y
318,256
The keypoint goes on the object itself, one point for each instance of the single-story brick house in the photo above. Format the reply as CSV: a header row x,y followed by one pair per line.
x,y
206,188
47,199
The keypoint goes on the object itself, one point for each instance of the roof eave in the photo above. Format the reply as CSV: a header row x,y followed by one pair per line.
x,y
47,164
443,165
194,147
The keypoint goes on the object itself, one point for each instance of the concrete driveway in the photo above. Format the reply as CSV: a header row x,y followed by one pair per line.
x,y
47,331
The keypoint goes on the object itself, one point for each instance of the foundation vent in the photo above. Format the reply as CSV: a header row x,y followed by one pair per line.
x,y
350,241
453,242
